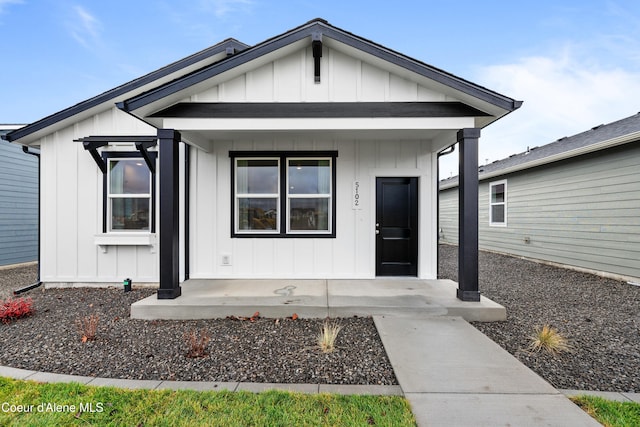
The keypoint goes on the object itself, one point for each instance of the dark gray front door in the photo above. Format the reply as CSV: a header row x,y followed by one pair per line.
x,y
397,226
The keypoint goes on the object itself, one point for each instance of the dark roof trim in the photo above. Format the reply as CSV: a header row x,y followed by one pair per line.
x,y
307,30
123,89
318,110
624,131
118,138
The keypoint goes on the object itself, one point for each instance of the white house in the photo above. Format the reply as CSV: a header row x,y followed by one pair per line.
x,y
310,155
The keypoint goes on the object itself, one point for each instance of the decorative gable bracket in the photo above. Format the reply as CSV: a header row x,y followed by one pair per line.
x,y
316,44
142,143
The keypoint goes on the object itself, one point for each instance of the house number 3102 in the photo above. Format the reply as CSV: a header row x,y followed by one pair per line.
x,y
356,200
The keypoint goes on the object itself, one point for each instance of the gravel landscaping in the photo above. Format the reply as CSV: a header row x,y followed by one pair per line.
x,y
600,318
264,350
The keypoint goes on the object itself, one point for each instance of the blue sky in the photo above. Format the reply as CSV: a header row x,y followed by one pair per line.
x,y
575,64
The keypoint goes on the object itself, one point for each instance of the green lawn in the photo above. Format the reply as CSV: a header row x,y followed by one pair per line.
x,y
610,413
71,404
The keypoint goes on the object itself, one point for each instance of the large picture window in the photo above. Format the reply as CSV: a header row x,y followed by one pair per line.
x,y
498,203
129,193
284,194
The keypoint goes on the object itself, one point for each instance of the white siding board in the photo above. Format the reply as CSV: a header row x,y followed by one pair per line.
x,y
288,71
67,207
233,90
375,83
209,95
344,77
260,84
401,89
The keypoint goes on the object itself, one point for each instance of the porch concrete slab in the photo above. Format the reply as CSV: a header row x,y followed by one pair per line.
x,y
445,354
197,385
490,410
261,387
408,297
15,373
210,299
48,377
609,395
124,383
219,298
373,390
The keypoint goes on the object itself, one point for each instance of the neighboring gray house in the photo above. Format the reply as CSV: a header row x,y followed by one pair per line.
x,y
574,202
18,203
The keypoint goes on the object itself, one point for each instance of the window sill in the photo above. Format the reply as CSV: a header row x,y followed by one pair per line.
x,y
126,239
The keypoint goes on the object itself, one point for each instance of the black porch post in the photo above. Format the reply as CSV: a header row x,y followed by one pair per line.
x,y
168,141
468,215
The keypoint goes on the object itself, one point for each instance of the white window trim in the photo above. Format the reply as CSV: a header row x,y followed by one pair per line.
x,y
111,196
238,196
327,196
491,204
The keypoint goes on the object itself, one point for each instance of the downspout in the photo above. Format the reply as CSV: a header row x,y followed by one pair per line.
x,y
444,152
38,282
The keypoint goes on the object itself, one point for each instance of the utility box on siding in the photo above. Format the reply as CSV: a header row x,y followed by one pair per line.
x,y
18,203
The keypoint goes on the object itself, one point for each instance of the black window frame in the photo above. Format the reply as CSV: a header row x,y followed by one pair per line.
x,y
283,156
106,155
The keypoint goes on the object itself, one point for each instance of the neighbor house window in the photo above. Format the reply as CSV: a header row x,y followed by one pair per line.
x,y
284,194
130,193
498,203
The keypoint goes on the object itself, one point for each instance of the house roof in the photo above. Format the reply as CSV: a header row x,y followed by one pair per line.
x,y
597,138
160,85
311,28
127,88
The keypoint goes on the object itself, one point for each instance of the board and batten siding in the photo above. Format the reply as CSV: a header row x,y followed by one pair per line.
x,y
351,254
583,212
18,205
71,211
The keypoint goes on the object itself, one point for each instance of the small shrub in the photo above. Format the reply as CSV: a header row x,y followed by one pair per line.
x,y
87,327
326,338
15,308
197,342
548,339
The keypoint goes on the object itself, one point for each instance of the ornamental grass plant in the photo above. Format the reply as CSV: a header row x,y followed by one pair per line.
x,y
327,336
549,340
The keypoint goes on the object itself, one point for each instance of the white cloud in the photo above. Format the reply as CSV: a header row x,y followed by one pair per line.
x,y
563,93
223,7
85,27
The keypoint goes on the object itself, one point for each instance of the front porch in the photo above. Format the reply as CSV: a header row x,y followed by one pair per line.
x,y
308,298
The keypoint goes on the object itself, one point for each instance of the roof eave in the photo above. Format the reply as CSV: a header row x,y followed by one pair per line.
x,y
36,128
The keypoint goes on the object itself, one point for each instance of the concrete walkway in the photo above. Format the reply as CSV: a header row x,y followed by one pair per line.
x,y
454,375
